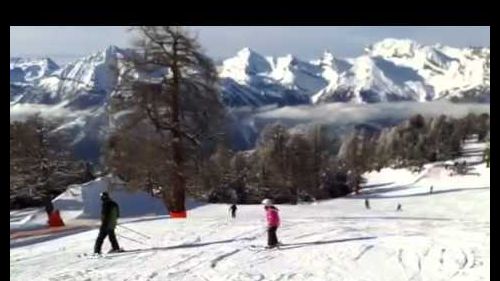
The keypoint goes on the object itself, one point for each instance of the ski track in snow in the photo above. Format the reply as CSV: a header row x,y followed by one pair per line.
x,y
440,236
232,260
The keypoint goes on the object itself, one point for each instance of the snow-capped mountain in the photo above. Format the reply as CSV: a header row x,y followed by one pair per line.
x,y
249,79
86,82
449,71
389,70
26,70
77,93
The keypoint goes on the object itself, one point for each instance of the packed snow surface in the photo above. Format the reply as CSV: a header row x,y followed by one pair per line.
x,y
439,236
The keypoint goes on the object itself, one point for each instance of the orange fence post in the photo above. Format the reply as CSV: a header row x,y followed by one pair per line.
x,y
55,219
178,215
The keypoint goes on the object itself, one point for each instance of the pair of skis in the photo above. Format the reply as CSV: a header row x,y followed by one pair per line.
x,y
98,256
259,248
95,255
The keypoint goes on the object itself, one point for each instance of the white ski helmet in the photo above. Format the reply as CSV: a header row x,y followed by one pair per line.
x,y
267,202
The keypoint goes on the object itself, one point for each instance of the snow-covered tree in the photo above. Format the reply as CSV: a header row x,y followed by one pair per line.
x,y
41,162
216,175
300,166
323,149
272,157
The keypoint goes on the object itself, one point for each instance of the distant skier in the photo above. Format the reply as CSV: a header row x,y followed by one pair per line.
x,y
49,207
431,189
233,209
109,216
367,204
273,222
399,207
486,156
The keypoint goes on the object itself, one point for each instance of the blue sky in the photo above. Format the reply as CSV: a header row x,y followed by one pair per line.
x,y
224,41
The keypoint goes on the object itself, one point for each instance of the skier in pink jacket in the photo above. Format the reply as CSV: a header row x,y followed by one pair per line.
x,y
273,222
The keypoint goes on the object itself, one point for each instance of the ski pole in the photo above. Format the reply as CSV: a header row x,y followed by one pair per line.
x,y
128,238
137,232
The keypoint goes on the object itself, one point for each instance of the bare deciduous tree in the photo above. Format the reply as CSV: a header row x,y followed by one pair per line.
x,y
168,84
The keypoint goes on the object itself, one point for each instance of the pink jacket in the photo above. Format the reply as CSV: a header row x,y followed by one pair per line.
x,y
272,216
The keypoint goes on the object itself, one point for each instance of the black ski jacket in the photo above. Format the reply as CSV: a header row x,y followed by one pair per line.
x,y
110,213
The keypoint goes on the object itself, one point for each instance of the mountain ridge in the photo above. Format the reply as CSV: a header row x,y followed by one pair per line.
x,y
391,70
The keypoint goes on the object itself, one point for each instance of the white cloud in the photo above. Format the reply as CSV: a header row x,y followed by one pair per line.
x,y
19,112
342,113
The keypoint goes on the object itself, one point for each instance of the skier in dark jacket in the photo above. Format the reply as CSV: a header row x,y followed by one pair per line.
x,y
49,207
109,216
233,209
